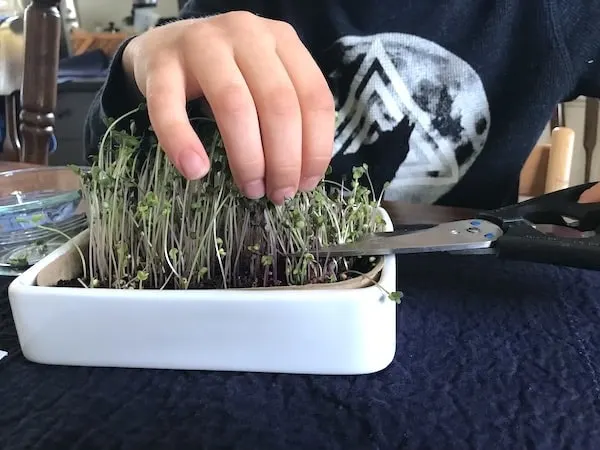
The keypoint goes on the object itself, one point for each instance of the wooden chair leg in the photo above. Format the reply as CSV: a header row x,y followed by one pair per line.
x,y
12,126
38,101
548,167
558,174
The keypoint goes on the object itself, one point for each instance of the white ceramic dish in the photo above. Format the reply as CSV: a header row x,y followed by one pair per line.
x,y
311,331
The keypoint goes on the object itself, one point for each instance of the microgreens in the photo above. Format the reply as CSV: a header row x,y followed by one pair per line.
x,y
152,228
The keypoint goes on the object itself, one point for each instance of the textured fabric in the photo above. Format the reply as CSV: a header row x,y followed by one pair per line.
x,y
491,355
441,99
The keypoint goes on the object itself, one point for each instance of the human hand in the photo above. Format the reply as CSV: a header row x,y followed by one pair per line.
x,y
272,104
592,195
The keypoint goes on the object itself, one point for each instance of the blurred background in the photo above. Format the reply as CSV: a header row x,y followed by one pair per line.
x,y
92,30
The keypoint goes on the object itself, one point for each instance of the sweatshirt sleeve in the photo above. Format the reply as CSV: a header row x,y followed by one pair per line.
x,y
203,8
577,25
118,95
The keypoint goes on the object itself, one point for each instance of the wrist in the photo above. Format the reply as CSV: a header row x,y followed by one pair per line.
x,y
127,59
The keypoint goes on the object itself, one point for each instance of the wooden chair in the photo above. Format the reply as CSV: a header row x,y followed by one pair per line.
x,y
548,167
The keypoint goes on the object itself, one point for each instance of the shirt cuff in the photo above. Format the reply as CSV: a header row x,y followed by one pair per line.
x,y
119,94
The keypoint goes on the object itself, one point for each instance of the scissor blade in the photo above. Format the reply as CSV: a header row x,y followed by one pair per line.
x,y
462,235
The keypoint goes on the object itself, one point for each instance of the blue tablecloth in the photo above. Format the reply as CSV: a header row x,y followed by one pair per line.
x,y
491,355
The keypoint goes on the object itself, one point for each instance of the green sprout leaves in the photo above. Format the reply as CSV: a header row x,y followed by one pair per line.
x,y
152,228
396,296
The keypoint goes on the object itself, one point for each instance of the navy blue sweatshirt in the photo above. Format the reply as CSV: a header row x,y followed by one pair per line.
x,y
443,100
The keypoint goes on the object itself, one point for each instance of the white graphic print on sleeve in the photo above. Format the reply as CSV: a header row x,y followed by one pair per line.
x,y
408,86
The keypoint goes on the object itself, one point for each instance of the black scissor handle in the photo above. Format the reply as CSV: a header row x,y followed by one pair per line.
x,y
521,241
550,209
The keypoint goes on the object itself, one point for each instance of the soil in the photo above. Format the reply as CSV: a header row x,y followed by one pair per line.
x,y
359,265
208,284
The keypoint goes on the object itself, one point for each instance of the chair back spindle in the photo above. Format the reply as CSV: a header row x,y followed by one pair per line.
x,y
38,92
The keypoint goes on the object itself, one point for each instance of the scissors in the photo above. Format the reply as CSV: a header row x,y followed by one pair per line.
x,y
553,228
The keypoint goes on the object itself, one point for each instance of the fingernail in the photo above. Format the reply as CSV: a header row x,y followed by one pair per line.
x,y
309,183
193,166
254,189
281,195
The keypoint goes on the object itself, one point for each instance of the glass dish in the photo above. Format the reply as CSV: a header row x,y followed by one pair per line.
x,y
34,202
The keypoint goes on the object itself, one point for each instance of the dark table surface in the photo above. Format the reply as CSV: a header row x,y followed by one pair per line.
x,y
491,355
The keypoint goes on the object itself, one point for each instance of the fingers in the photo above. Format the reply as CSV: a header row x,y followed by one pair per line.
x,y
279,116
271,102
233,107
272,106
166,100
316,103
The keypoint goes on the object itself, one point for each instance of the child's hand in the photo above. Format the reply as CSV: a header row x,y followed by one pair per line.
x,y
271,102
592,195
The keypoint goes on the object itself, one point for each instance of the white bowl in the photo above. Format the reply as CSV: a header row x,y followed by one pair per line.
x,y
310,331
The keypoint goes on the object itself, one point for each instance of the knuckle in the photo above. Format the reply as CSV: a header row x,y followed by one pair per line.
x,y
245,28
192,35
320,158
153,94
155,89
239,16
233,99
284,29
282,165
246,168
282,102
283,174
319,101
157,60
316,160
240,25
